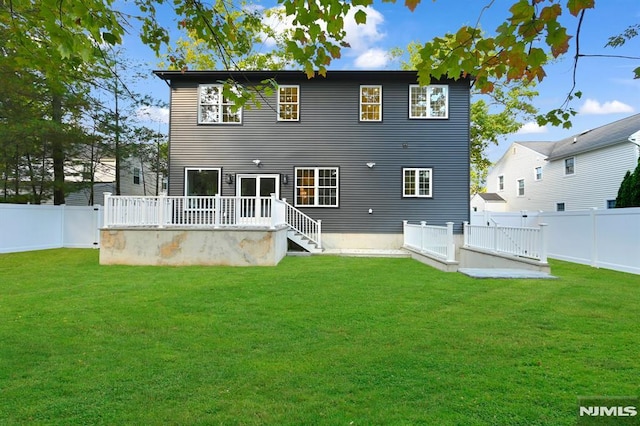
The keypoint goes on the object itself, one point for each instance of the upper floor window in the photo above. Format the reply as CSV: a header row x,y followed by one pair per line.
x,y
569,165
215,108
370,103
136,176
416,182
316,186
288,103
611,204
520,187
538,173
501,183
428,101
560,207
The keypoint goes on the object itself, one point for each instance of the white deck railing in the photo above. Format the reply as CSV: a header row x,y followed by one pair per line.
x,y
217,211
517,241
303,224
436,241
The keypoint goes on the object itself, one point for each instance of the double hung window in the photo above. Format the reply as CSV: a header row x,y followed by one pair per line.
x,y
289,103
370,103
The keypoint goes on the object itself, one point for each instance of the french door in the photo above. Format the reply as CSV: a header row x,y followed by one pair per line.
x,y
253,188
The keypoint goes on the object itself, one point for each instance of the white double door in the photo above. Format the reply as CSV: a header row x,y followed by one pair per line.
x,y
254,208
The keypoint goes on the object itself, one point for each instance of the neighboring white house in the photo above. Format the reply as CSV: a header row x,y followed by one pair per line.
x,y
579,172
488,201
136,178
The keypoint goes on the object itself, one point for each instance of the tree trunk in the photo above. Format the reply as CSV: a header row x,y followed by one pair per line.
x,y
57,151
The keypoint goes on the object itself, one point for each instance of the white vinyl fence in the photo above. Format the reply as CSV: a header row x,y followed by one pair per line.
x,y
516,241
25,227
605,238
436,241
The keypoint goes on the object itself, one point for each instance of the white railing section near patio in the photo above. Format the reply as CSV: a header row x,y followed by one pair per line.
x,y
517,241
303,224
436,241
216,211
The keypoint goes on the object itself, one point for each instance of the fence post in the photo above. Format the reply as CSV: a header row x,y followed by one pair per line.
x,y
465,233
594,237
495,237
319,233
107,209
543,242
404,232
217,211
422,226
451,247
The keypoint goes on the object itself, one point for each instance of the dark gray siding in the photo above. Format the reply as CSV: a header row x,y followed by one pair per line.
x,y
329,134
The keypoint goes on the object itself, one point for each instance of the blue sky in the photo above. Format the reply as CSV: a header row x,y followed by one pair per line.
x,y
609,90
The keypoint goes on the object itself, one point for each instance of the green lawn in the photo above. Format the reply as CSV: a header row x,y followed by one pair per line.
x,y
315,340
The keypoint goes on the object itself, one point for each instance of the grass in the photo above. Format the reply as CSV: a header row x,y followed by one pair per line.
x,y
315,340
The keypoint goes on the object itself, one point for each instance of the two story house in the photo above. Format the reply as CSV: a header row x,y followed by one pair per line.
x,y
580,172
360,150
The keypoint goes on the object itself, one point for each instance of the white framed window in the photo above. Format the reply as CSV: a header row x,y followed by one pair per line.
x,y
560,207
429,101
569,166
215,108
417,182
611,204
520,187
537,173
289,103
201,181
501,183
136,176
316,186
370,103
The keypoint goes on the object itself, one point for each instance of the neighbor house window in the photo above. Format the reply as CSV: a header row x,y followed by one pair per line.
x,y
370,103
316,186
538,173
417,182
201,182
611,204
520,187
215,108
569,166
559,207
288,103
501,183
428,101
136,176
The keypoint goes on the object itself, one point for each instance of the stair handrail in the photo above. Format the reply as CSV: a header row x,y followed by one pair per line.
x,y
303,224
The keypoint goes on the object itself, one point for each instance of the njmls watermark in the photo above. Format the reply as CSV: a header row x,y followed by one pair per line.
x,y
608,410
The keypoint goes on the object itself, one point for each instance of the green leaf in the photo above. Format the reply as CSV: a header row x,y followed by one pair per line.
x,y
576,6
109,38
360,17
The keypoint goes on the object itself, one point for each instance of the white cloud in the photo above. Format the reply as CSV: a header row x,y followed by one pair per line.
x,y
276,19
592,106
361,37
153,114
372,58
531,127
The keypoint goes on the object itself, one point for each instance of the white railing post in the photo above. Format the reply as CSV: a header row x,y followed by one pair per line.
x,y
404,232
543,242
495,238
422,225
319,233
451,247
161,200
272,210
217,211
107,209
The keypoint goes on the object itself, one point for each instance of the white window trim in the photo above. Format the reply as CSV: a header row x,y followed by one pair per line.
x,y
535,174
500,189
186,180
221,104
564,166
415,189
524,187
370,86
316,187
429,116
297,102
